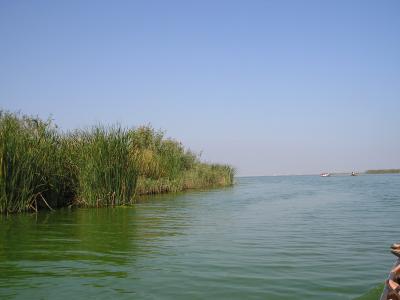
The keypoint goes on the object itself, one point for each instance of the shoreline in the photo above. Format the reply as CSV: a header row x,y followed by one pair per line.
x,y
42,167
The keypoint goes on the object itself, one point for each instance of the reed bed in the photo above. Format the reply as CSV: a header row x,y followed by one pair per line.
x,y
101,166
105,172
32,170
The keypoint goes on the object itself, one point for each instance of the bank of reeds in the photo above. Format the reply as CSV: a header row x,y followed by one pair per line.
x,y
32,169
102,166
105,174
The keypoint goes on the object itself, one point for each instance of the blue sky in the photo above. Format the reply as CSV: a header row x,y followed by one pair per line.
x,y
271,87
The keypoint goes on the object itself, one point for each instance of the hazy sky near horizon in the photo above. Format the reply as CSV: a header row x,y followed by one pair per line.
x,y
271,87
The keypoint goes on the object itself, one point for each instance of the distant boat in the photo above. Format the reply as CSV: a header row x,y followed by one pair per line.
x,y
353,174
325,174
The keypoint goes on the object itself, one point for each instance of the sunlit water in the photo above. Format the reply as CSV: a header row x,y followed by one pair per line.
x,y
300,237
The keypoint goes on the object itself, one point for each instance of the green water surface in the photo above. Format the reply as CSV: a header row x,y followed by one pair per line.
x,y
291,237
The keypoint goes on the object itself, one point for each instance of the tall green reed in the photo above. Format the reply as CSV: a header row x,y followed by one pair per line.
x,y
164,165
103,166
106,174
32,173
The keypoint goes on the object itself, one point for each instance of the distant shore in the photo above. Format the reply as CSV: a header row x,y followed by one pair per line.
x,y
379,171
383,171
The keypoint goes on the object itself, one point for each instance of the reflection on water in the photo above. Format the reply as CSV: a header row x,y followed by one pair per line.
x,y
300,237
373,294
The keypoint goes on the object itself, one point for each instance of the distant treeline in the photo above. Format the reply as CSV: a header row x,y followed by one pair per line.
x,y
41,167
383,171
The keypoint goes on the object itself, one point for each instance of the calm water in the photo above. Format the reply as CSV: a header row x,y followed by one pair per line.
x,y
300,237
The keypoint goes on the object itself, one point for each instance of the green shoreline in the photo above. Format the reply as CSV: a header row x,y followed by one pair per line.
x,y
383,171
44,168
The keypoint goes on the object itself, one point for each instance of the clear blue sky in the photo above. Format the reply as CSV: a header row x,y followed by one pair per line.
x,y
271,87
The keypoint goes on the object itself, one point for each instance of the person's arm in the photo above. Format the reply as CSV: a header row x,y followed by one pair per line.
x,y
394,286
395,270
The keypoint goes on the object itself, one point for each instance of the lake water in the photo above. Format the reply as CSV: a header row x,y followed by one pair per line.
x,y
289,237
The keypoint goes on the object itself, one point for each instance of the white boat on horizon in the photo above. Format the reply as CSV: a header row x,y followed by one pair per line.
x,y
325,174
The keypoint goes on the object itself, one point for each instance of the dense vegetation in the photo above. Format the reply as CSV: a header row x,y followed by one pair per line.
x,y
102,166
383,171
